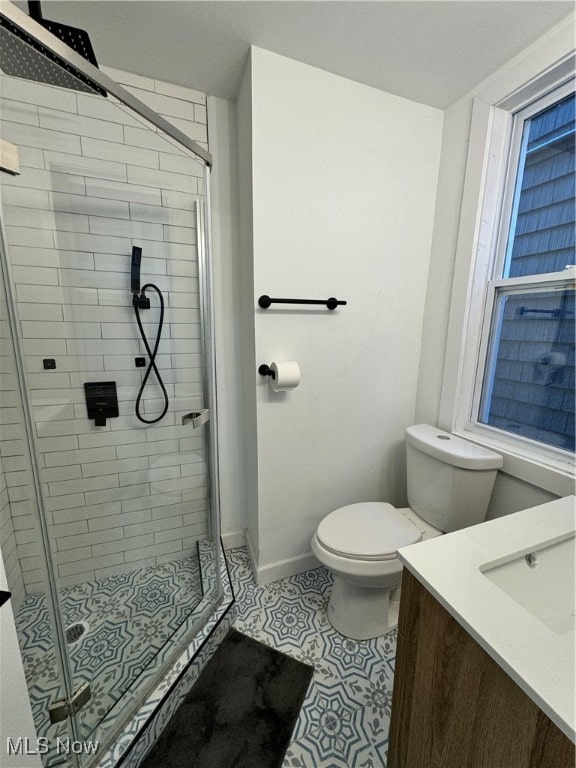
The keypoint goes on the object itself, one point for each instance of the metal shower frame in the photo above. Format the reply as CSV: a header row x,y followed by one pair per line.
x,y
73,59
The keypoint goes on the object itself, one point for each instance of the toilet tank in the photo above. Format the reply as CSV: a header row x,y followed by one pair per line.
x,y
450,480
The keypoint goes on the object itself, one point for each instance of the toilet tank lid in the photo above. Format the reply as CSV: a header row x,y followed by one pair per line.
x,y
451,449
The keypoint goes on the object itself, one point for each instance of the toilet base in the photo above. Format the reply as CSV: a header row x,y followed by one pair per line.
x,y
362,613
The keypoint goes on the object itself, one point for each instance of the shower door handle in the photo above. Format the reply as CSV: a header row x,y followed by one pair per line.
x,y
197,418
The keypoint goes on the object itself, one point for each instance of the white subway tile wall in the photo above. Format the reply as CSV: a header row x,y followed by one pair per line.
x,y
96,180
19,524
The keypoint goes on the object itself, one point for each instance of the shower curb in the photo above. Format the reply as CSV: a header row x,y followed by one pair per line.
x,y
142,732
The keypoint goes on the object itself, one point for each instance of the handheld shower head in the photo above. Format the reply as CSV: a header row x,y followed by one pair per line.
x,y
135,269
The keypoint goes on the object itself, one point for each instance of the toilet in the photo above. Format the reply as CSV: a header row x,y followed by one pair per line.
x,y
450,481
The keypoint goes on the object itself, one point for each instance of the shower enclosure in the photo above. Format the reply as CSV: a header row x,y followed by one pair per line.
x,y
110,526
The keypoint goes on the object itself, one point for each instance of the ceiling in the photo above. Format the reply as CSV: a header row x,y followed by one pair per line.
x,y
429,51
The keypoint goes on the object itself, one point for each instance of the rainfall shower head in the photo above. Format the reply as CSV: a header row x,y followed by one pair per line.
x,y
23,56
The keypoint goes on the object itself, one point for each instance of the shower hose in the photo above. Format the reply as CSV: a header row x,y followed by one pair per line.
x,y
151,357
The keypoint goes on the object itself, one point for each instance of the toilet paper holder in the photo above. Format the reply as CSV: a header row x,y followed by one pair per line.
x,y
265,370
284,376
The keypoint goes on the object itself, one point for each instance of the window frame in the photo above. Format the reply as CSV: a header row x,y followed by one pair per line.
x,y
511,191
548,281
485,213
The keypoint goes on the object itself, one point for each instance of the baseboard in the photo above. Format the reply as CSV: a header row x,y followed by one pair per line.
x,y
233,539
281,569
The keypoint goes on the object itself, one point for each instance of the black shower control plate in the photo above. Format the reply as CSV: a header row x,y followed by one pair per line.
x,y
101,401
49,364
140,362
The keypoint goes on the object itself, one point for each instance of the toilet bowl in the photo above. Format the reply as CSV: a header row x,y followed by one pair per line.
x,y
450,481
358,543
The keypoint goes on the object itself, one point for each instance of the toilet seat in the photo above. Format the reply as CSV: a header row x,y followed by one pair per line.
x,y
366,531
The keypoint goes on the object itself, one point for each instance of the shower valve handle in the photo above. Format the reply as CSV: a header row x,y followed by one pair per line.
x,y
100,414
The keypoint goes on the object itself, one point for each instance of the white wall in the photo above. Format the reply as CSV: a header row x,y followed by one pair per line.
x,y
9,545
246,315
15,711
227,307
450,263
344,182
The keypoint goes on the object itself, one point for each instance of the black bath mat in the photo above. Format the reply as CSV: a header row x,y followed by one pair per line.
x,y
239,714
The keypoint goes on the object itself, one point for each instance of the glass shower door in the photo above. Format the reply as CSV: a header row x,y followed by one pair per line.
x,y
122,446
30,577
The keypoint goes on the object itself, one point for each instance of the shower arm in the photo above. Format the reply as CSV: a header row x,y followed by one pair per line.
x,y
35,10
39,33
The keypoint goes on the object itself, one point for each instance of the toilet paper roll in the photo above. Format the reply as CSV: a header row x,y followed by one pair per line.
x,y
286,376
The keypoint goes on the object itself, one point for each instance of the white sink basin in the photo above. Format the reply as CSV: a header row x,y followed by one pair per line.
x,y
542,582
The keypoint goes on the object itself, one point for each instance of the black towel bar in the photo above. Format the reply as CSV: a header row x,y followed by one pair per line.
x,y
265,301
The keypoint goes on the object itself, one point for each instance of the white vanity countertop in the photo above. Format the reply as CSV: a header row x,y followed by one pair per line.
x,y
538,659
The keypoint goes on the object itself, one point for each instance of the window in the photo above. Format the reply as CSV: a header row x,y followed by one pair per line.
x,y
525,387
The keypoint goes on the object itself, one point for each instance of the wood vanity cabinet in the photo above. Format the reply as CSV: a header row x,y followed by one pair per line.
x,y
454,707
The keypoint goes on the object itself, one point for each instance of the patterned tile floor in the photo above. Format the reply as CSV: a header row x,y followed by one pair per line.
x,y
129,617
345,717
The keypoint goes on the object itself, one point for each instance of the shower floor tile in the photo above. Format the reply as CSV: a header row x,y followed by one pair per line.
x,y
345,717
128,618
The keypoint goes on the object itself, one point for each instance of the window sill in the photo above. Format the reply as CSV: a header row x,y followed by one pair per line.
x,y
547,473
